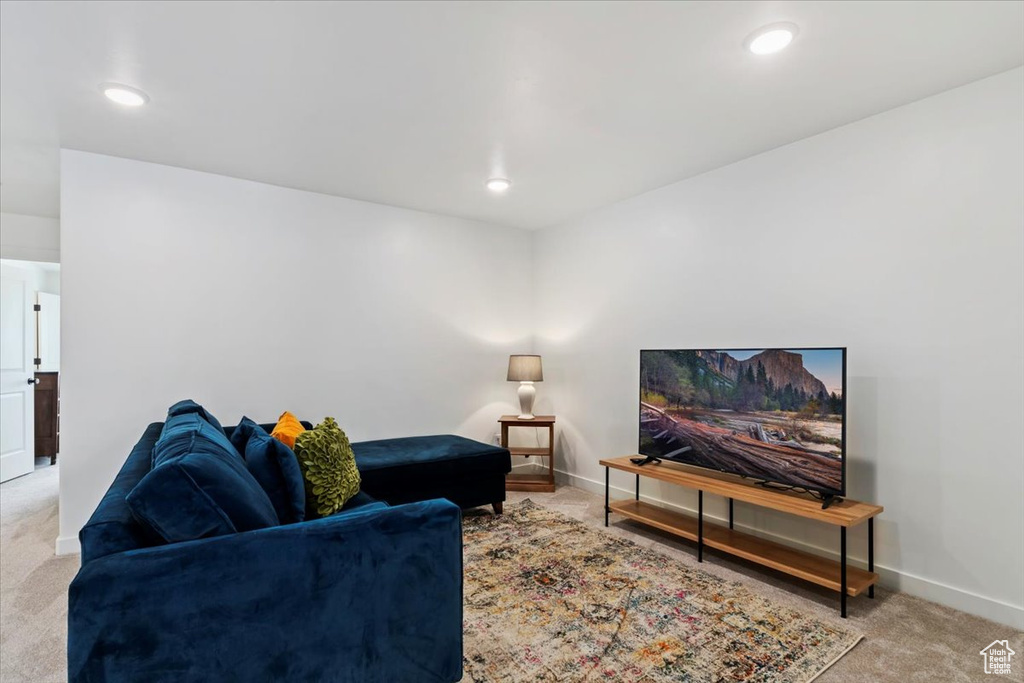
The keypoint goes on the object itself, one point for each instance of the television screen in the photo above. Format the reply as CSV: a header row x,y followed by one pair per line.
x,y
776,415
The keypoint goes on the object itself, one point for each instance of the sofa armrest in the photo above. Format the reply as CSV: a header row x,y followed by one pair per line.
x,y
366,596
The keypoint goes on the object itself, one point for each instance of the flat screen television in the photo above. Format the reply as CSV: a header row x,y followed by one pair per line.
x,y
774,415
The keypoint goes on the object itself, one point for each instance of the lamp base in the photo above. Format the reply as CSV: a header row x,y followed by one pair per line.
x,y
526,395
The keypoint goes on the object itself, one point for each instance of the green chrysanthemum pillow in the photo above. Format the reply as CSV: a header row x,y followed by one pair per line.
x,y
328,467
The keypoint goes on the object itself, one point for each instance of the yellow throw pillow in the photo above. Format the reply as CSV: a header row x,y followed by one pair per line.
x,y
287,429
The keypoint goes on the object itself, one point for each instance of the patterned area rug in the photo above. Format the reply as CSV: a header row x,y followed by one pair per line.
x,y
548,598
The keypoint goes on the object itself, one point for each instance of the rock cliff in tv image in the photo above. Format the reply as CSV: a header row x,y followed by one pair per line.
x,y
770,414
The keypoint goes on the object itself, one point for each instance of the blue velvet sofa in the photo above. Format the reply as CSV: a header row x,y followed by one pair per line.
x,y
372,593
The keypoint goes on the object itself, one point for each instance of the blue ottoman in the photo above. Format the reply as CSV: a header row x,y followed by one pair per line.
x,y
468,473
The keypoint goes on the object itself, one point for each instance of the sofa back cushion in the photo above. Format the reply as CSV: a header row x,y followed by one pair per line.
x,y
198,495
190,406
191,433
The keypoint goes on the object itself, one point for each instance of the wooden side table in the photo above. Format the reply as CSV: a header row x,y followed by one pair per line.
x,y
530,482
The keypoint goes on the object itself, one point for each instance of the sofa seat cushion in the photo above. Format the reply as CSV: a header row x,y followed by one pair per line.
x,y
199,495
360,501
191,433
395,470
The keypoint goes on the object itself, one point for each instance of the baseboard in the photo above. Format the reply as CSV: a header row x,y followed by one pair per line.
x,y
530,466
68,545
893,579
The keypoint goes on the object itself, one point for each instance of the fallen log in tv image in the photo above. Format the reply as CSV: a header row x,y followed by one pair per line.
x,y
758,413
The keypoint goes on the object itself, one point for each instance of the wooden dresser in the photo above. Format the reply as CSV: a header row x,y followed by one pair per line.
x,y
47,407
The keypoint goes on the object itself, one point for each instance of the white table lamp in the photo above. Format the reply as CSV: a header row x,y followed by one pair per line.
x,y
526,370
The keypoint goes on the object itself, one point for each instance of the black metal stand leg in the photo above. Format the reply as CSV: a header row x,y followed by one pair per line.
x,y
842,570
700,526
638,487
730,513
606,508
871,553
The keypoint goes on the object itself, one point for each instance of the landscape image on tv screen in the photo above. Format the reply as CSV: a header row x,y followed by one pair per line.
x,y
769,414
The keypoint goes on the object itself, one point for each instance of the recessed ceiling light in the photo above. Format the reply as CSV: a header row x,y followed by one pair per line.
x,y
124,94
498,184
772,38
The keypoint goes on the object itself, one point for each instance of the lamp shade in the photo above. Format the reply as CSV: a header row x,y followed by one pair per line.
x,y
525,369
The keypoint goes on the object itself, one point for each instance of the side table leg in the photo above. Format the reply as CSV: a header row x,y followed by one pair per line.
x,y
842,571
606,508
551,454
871,553
700,526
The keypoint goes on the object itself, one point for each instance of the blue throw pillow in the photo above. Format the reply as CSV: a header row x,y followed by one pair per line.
x,y
240,436
276,468
198,495
190,433
189,406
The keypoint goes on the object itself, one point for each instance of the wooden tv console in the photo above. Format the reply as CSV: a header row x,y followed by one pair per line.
x,y
847,513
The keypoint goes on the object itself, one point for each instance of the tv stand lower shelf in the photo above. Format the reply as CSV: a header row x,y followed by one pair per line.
x,y
836,576
813,568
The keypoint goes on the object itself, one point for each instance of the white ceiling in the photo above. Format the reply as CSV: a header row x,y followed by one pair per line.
x,y
416,104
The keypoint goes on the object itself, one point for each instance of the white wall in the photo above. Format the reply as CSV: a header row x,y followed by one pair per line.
x,y
45,276
899,236
29,238
254,299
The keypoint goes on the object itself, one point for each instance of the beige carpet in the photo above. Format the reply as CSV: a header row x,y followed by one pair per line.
x,y
906,639
33,582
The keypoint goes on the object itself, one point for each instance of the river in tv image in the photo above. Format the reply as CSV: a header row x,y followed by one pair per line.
x,y
771,414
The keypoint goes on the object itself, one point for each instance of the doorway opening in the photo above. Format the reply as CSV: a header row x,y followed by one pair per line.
x,y
29,366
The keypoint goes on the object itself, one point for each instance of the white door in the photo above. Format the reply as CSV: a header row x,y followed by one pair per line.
x,y
17,381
